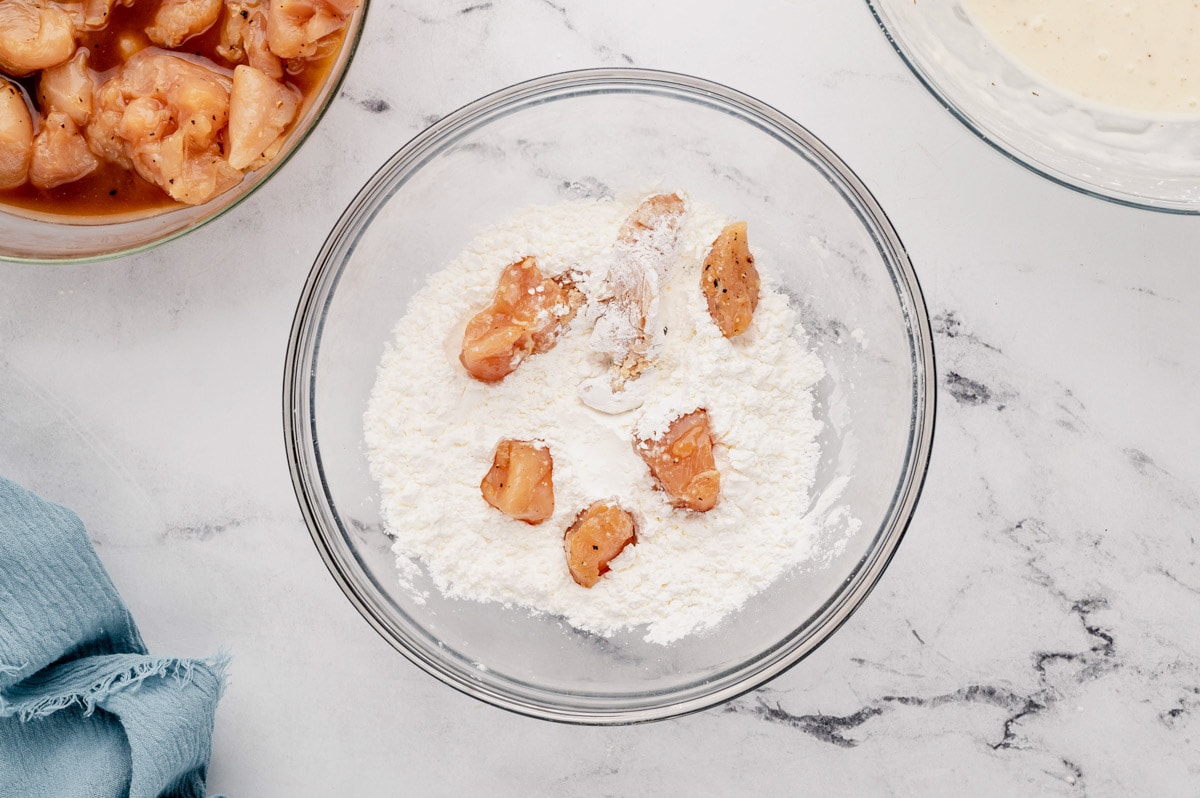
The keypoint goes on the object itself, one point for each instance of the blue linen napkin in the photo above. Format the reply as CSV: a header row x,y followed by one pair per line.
x,y
84,710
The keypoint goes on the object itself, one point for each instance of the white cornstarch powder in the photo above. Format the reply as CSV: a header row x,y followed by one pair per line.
x,y
431,431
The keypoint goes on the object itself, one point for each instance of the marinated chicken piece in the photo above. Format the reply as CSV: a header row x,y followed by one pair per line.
x,y
244,37
16,136
95,13
682,463
164,115
176,21
628,301
304,28
131,42
144,119
33,35
260,109
526,315
730,281
520,483
599,534
101,131
60,153
186,171
68,88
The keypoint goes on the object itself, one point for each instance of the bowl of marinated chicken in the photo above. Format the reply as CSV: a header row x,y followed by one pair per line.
x,y
123,125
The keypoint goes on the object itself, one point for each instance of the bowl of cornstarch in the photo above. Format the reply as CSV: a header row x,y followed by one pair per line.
x,y
1103,98
610,396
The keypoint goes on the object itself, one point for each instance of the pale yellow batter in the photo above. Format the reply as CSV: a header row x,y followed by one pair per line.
x,y
1142,55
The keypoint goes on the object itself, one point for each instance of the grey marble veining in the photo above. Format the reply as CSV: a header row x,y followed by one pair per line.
x,y
1036,633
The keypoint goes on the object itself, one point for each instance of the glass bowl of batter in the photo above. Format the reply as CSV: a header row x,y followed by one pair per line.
x,y
1102,98
113,210
550,168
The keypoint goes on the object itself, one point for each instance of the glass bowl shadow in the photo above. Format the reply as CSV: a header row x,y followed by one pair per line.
x,y
1130,158
599,133
27,237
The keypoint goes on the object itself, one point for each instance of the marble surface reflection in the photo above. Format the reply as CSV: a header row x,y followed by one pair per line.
x,y
1036,633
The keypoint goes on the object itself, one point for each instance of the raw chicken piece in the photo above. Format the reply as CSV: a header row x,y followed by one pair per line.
x,y
68,88
16,136
628,303
244,37
682,463
60,153
730,281
260,109
525,317
520,482
302,28
599,534
33,35
654,223
176,21
164,115
645,242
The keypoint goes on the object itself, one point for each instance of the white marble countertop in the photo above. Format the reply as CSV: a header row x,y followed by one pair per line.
x,y
1036,633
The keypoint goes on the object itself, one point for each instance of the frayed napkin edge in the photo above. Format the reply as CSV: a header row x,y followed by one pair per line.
x,y
126,678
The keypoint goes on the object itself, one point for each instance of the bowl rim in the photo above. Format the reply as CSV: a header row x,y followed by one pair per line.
x,y
331,89
1058,178
300,369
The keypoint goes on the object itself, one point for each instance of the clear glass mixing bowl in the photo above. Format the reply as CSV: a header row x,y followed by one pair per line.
x,y
592,133
1127,157
29,238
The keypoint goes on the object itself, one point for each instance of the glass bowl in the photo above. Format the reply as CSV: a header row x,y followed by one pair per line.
x,y
1127,157
29,238
598,133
